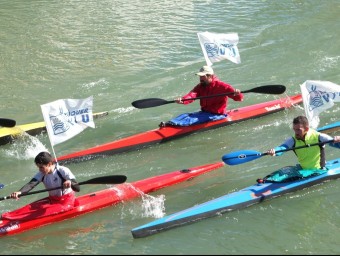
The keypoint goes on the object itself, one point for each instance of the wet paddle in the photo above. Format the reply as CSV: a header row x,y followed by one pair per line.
x,y
7,122
112,179
1,186
243,156
154,102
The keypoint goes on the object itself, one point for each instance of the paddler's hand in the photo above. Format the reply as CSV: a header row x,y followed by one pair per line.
x,y
336,139
237,92
67,184
271,152
179,100
15,195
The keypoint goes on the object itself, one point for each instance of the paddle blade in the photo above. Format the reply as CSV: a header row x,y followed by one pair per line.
x,y
240,157
112,179
7,122
269,89
149,103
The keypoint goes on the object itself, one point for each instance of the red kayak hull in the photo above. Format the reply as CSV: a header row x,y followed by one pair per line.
x,y
164,134
108,197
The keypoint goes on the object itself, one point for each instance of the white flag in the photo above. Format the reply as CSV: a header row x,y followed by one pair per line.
x,y
318,96
217,47
66,118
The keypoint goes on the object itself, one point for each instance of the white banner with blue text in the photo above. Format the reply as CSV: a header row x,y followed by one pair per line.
x,y
65,118
317,97
217,47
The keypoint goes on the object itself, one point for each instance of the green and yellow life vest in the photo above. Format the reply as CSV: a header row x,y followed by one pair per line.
x,y
310,157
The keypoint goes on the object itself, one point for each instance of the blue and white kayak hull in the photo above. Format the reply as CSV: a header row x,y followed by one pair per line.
x,y
236,200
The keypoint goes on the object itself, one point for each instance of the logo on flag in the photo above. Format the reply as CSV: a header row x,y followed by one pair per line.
x,y
66,118
217,47
317,97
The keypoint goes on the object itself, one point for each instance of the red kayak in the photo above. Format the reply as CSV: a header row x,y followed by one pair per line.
x,y
107,197
167,133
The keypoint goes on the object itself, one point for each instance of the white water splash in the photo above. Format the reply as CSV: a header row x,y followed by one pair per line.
x,y
100,83
275,123
153,206
25,147
325,63
149,206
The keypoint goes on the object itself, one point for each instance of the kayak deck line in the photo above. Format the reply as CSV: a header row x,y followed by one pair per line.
x,y
164,134
109,197
243,198
333,127
8,135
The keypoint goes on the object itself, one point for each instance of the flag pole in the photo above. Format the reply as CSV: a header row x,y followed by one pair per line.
x,y
55,156
49,138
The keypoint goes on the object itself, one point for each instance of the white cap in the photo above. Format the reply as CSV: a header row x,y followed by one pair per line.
x,y
205,70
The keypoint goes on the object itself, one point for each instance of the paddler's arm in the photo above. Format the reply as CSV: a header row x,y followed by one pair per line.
x,y
191,94
28,187
273,151
288,143
237,96
181,100
323,137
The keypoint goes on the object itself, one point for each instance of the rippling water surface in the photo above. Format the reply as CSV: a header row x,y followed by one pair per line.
x,y
121,51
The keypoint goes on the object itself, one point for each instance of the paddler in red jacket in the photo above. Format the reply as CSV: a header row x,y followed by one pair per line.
x,y
53,176
213,108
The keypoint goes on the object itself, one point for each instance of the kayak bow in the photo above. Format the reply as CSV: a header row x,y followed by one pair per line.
x,y
107,197
237,200
167,133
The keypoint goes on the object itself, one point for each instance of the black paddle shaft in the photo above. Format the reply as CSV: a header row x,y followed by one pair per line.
x,y
154,102
304,146
112,179
267,89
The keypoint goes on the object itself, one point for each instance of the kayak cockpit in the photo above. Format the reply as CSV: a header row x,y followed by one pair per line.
x,y
289,174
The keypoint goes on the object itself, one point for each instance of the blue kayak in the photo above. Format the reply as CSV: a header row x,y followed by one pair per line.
x,y
287,179
330,128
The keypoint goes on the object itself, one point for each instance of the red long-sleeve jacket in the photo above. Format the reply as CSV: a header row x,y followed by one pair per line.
x,y
215,105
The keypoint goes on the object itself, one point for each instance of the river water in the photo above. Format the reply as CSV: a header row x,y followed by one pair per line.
x,y
121,51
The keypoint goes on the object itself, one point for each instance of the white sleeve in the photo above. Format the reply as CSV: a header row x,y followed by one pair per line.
x,y
289,143
38,176
324,137
66,173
